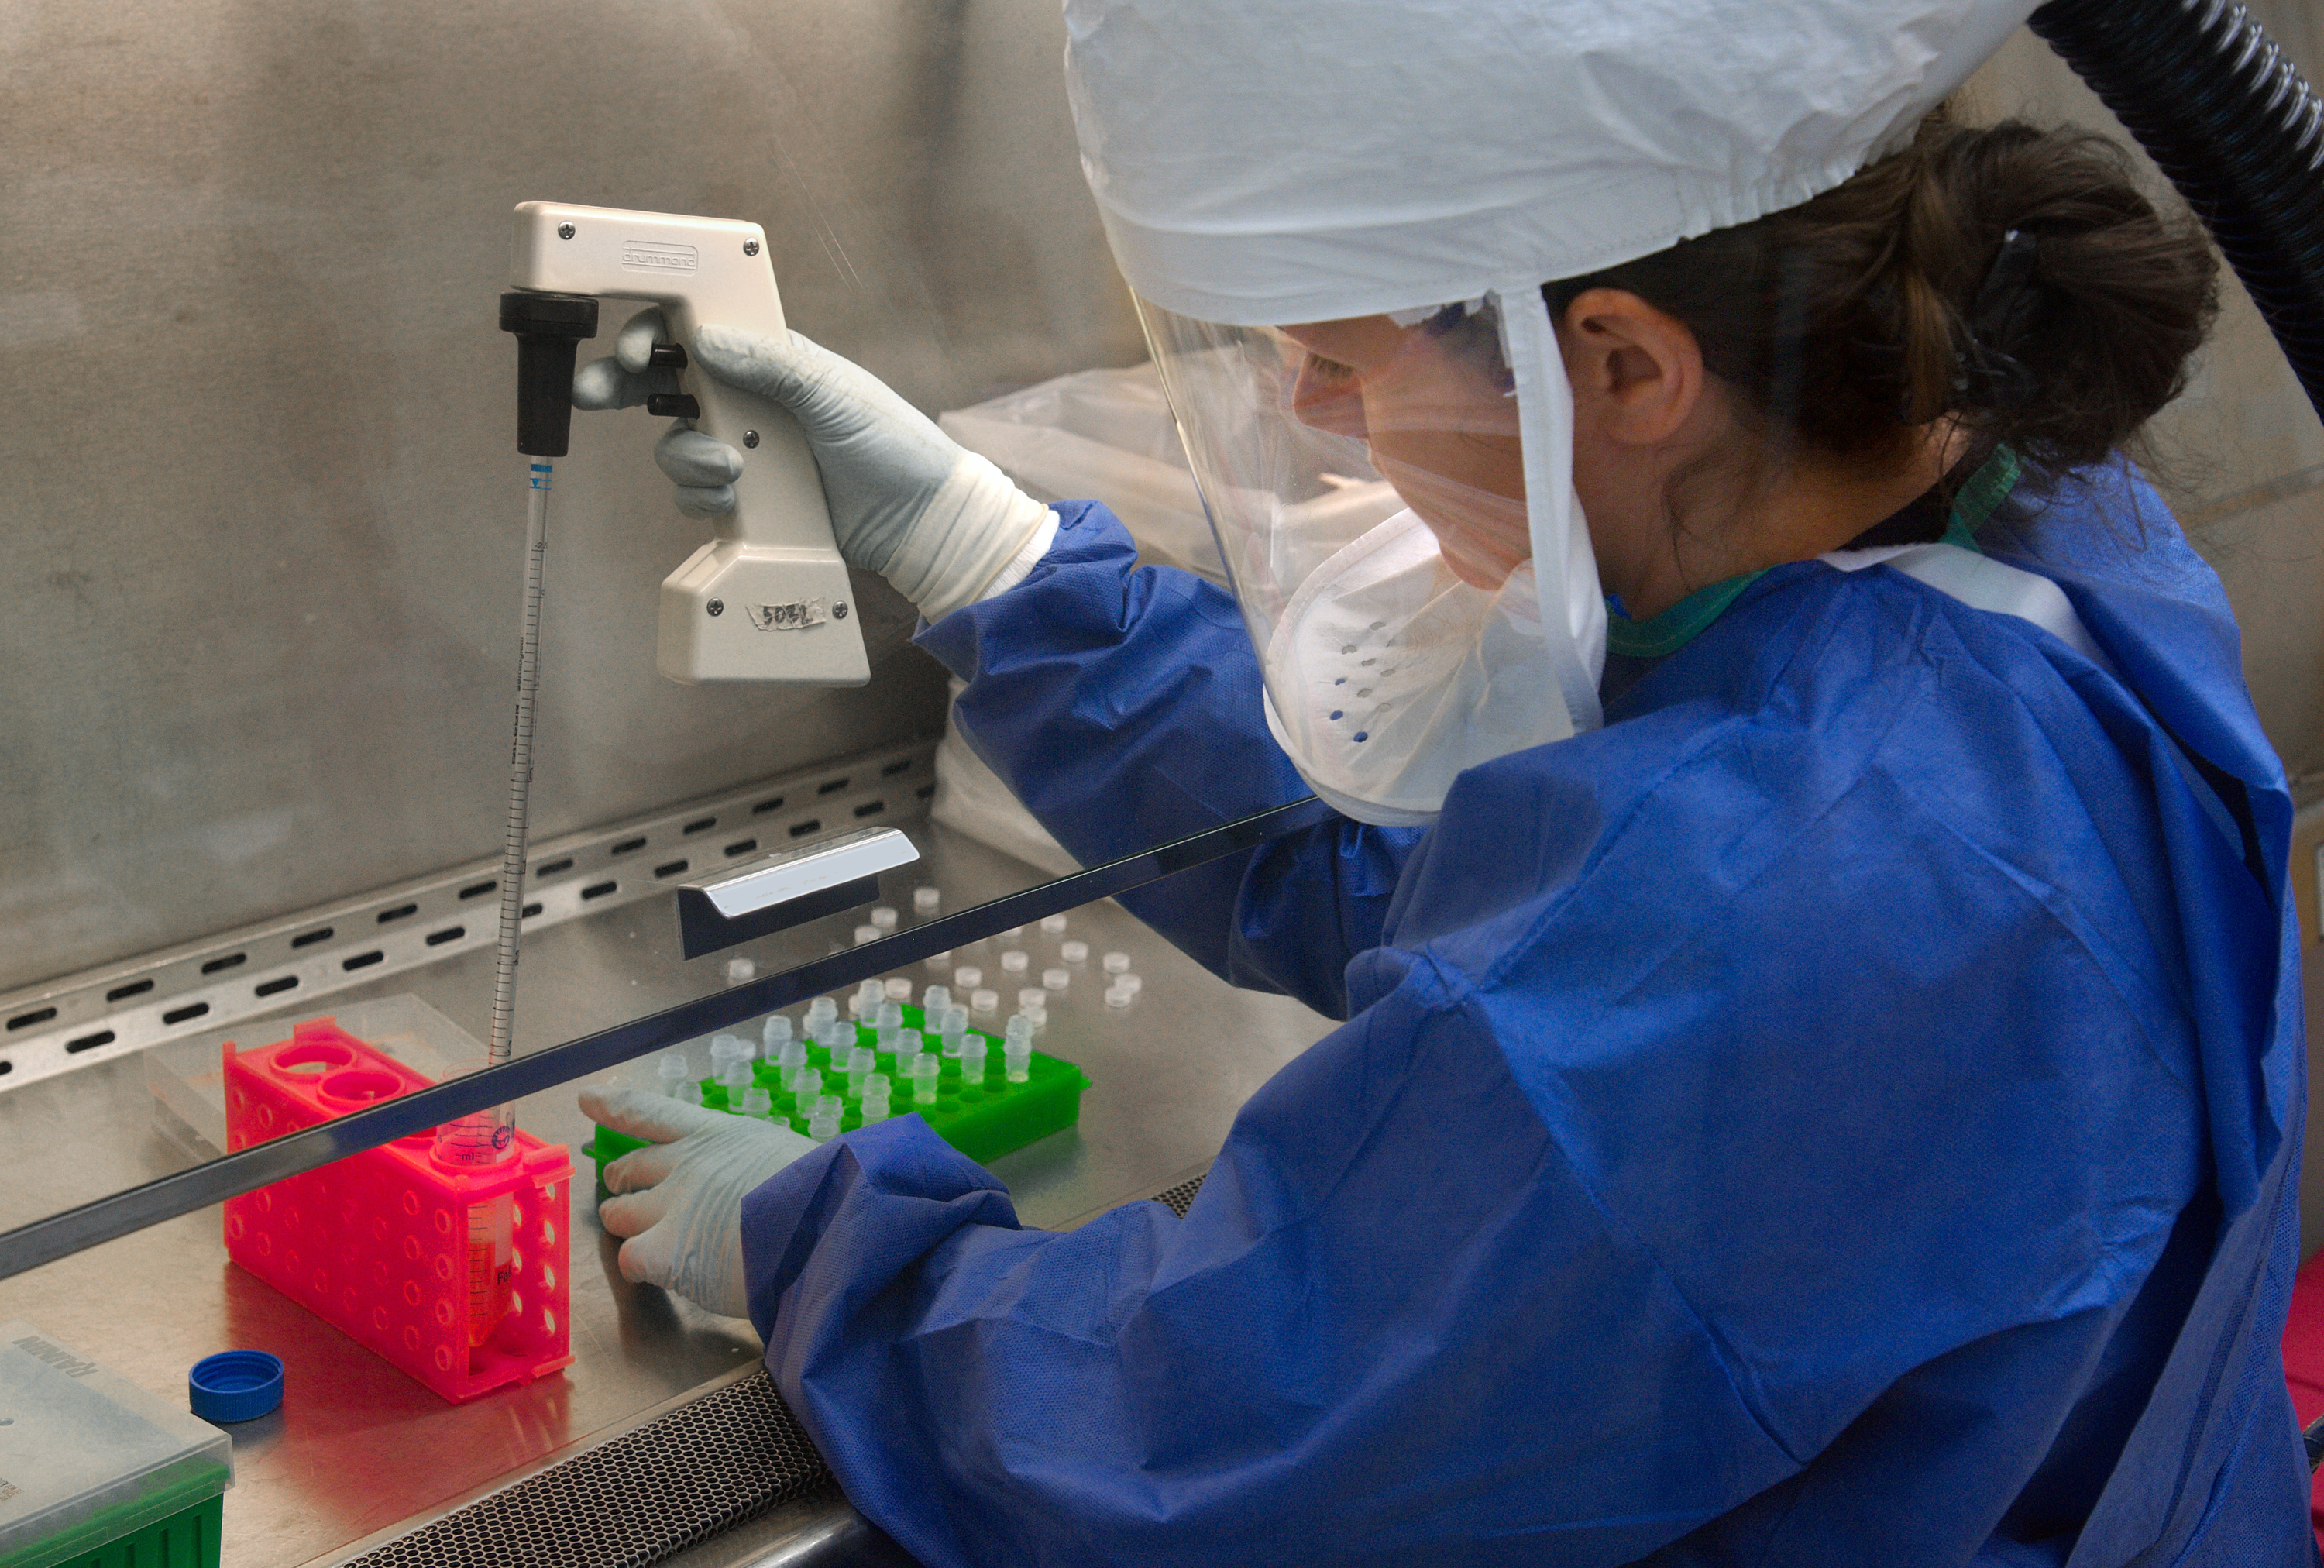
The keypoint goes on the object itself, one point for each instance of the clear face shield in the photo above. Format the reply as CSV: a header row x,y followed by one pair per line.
x,y
1369,481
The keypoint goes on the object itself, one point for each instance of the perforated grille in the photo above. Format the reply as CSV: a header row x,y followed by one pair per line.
x,y
1180,1198
649,1494
678,1479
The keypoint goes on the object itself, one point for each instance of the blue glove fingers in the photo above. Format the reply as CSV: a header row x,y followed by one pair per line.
x,y
635,341
603,383
832,398
643,1263
651,1116
634,1214
642,1169
691,458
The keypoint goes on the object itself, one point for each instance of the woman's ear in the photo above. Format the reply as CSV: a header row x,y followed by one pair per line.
x,y
1636,371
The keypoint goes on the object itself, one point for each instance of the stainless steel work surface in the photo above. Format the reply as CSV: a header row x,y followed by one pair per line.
x,y
358,1447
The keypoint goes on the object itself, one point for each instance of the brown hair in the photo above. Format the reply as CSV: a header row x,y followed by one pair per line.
x,y
1851,321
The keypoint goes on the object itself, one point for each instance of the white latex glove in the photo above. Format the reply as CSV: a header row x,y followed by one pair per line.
x,y
940,522
681,1203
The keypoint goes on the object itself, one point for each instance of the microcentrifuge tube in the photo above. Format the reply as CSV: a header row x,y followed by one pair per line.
x,y
1115,963
972,1052
940,961
690,1091
1073,952
1017,1060
875,1098
757,1101
1015,962
867,999
672,1070
1055,979
882,917
935,999
984,1003
739,970
925,1069
819,1013
1031,997
968,978
860,1063
777,1030
925,901
866,934
1117,998
899,989
1053,925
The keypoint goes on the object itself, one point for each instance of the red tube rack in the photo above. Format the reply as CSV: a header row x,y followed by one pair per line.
x,y
376,1244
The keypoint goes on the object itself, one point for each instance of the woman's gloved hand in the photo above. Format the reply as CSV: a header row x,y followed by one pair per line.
x,y
679,1202
907,501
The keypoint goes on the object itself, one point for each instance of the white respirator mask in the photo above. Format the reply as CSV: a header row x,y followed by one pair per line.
x,y
1368,483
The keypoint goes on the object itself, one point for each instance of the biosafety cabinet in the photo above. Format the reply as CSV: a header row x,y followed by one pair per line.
x,y
264,534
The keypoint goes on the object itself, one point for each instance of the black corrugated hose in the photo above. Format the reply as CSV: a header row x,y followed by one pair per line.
x,y
2230,119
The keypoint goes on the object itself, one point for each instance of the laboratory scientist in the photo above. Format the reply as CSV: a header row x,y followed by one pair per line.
x,y
1821,1082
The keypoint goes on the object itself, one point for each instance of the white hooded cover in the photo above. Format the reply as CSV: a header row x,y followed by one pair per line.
x,y
1260,164
1263,162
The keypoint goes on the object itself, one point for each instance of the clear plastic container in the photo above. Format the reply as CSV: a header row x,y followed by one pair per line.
x,y
91,1458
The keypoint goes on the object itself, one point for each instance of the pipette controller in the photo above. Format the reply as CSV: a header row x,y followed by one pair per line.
x,y
767,598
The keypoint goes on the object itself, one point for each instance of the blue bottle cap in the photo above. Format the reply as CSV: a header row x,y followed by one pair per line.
x,y
235,1386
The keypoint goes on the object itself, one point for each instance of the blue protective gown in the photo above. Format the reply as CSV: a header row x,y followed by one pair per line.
x,y
1845,1111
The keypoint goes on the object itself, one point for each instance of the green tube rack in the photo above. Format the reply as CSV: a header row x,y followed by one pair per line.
x,y
189,1537
983,1120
